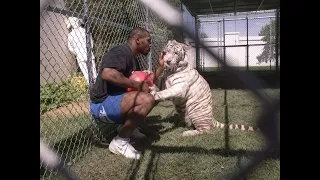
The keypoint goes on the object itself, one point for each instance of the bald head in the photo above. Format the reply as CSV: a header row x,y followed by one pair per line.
x,y
137,32
139,40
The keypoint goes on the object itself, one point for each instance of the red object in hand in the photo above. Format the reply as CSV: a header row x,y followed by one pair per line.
x,y
140,76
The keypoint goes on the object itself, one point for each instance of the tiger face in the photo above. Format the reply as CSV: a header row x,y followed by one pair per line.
x,y
175,55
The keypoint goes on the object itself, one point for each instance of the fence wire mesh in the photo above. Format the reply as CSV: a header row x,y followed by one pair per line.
x,y
247,42
65,122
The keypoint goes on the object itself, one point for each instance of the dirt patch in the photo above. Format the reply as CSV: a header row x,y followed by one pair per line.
x,y
69,110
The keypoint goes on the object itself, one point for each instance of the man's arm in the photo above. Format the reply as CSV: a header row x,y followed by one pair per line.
x,y
159,69
154,76
117,78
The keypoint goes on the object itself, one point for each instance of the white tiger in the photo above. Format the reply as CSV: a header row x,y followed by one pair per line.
x,y
188,91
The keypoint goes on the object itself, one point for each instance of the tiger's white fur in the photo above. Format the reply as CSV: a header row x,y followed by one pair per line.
x,y
188,90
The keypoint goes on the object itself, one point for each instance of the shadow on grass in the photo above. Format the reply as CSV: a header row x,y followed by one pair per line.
x,y
157,150
152,128
76,146
153,131
71,149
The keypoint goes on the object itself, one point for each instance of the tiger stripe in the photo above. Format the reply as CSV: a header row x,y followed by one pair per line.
x,y
189,91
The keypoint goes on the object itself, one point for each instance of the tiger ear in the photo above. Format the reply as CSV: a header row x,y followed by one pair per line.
x,y
183,63
186,47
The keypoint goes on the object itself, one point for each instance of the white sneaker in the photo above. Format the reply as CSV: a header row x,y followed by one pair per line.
x,y
122,146
135,134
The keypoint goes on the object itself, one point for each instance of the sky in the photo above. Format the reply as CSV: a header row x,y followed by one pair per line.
x,y
212,28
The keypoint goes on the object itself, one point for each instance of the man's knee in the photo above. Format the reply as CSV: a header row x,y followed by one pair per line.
x,y
148,99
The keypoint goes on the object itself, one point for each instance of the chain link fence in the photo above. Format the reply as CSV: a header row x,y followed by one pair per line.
x,y
71,28
68,30
248,41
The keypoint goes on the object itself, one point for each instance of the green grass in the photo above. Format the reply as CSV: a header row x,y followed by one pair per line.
x,y
168,155
56,129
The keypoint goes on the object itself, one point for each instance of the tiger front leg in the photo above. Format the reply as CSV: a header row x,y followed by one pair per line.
x,y
176,90
153,90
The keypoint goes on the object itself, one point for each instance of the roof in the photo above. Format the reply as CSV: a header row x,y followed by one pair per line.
x,y
206,7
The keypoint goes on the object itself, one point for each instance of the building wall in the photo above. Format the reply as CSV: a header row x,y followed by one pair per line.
x,y
56,62
235,56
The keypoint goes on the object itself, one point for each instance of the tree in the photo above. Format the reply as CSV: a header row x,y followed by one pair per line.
x,y
269,36
173,32
203,35
118,17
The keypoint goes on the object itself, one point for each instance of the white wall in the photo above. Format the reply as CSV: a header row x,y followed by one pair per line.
x,y
192,52
235,56
56,61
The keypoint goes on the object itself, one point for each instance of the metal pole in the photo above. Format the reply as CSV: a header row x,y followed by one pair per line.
x,y
277,40
218,38
202,54
224,43
147,27
270,45
88,43
247,43
197,44
181,31
53,161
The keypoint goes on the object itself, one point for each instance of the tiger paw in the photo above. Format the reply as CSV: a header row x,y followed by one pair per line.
x,y
152,90
148,71
191,133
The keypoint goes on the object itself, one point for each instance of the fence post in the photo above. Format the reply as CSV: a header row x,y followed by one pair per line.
x,y
88,43
224,43
148,28
270,43
247,43
197,26
181,31
277,40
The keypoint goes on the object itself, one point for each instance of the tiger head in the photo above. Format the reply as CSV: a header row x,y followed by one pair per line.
x,y
176,56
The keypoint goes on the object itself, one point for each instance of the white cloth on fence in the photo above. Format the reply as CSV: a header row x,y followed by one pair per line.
x,y
77,46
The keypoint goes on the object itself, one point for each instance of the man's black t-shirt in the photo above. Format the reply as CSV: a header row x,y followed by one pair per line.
x,y
120,58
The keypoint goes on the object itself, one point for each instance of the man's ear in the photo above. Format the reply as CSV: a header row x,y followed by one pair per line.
x,y
138,39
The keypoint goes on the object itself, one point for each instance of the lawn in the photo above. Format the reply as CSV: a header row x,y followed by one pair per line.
x,y
168,155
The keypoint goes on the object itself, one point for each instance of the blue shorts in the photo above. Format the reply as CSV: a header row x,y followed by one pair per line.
x,y
108,110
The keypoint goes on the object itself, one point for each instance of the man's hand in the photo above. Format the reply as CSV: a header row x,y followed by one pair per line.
x,y
153,90
144,87
160,60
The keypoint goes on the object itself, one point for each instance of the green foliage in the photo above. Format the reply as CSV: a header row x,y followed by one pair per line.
x,y
265,31
54,95
269,36
175,3
118,17
175,33
203,35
